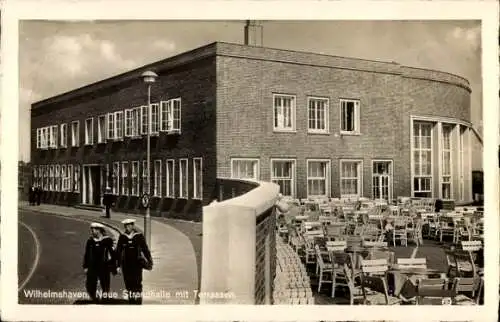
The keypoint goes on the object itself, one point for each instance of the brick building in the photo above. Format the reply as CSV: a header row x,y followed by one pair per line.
x,y
315,124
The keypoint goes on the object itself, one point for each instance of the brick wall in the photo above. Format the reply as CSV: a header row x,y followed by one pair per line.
x,y
194,83
265,255
247,79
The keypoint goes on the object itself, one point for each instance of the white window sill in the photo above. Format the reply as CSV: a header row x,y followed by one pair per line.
x,y
171,132
284,131
350,133
171,197
316,132
197,198
184,198
89,144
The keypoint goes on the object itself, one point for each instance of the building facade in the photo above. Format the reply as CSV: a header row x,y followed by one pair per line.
x,y
316,125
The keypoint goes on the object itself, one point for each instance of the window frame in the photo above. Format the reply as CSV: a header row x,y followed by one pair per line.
x,y
101,129
144,120
115,175
326,115
421,177
157,179
119,120
154,122
360,179
293,114
357,116
451,153
391,165
63,128
170,179
293,172
137,185
124,178
327,177
198,195
89,135
76,178
183,179
257,170
75,137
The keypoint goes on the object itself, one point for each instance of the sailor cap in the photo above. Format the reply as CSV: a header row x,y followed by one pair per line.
x,y
96,225
128,221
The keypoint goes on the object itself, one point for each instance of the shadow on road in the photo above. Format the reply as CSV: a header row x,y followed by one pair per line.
x,y
106,302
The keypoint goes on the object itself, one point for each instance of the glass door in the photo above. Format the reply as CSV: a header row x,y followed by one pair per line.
x,y
382,180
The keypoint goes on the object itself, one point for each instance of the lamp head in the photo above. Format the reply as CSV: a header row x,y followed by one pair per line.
x,y
149,76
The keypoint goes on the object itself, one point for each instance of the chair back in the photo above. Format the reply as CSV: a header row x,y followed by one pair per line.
x,y
472,246
367,243
412,262
336,246
374,266
466,284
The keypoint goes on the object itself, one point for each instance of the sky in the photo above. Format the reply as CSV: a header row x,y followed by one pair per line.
x,y
57,56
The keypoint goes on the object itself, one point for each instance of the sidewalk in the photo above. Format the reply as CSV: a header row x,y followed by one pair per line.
x,y
175,273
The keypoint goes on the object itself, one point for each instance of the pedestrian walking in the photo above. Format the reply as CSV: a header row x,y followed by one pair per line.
x,y
133,256
99,262
108,201
32,195
38,194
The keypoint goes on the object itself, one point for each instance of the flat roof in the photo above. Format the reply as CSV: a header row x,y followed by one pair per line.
x,y
266,54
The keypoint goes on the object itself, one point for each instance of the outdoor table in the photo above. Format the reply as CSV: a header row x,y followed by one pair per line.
x,y
363,251
402,274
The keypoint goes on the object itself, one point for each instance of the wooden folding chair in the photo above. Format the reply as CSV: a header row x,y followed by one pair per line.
x,y
374,283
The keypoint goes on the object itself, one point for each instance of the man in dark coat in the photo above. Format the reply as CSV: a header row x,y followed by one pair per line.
x,y
38,194
133,256
98,261
32,195
108,200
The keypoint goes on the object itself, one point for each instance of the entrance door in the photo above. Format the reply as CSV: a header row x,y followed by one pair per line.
x,y
382,180
95,173
91,185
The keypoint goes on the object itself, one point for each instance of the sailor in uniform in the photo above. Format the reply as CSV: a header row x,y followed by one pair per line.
x,y
98,261
133,256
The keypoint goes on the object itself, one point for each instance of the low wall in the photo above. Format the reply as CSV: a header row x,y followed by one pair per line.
x,y
239,251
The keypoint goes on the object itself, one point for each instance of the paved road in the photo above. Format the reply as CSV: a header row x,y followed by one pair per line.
x,y
50,259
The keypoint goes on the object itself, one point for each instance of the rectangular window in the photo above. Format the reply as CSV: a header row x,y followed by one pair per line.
x,y
166,121
70,177
183,178
119,125
116,178
144,120
52,178
35,175
136,122
38,138
245,169
461,164
349,116
157,178
318,178
170,178
101,129
64,179
283,174
422,159
135,178
111,126
76,178
351,178
145,181
170,115
109,177
53,136
75,133
318,115
125,182
128,122
57,175
89,131
155,118
284,112
45,138
197,178
446,190
382,180
64,135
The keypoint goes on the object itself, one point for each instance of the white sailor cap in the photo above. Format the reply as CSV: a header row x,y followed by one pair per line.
x,y
128,221
96,225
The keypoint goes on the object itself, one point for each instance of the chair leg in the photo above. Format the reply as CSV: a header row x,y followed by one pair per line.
x,y
320,279
334,279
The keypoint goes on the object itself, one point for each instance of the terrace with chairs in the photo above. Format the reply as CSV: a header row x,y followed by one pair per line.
x,y
341,251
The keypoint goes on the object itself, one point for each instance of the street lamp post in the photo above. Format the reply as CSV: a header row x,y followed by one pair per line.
x,y
149,78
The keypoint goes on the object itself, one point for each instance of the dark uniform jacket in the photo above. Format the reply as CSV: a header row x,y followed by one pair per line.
x,y
129,249
108,199
99,254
